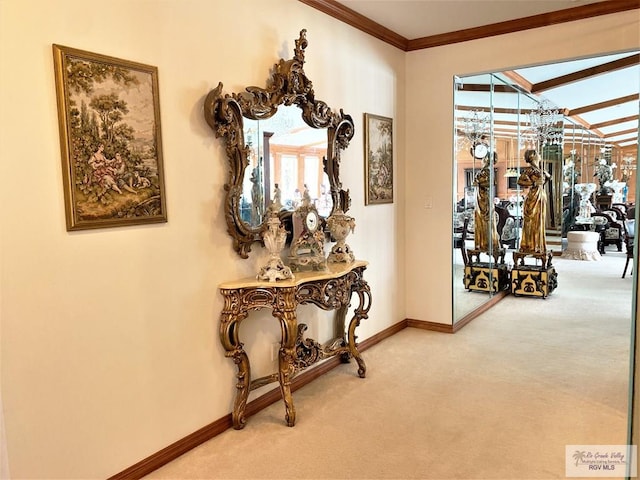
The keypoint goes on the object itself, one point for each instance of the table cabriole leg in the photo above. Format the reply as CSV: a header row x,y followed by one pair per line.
x,y
229,322
286,313
241,359
361,288
340,321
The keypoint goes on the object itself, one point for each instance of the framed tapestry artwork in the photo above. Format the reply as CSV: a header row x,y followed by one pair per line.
x,y
378,155
110,138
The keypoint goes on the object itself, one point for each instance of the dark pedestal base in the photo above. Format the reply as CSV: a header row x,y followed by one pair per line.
x,y
486,277
533,280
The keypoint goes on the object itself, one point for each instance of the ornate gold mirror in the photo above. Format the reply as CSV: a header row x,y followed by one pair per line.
x,y
280,142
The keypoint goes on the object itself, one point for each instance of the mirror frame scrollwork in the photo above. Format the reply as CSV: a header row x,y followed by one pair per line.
x,y
287,85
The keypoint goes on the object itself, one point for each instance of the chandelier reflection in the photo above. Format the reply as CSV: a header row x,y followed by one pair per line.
x,y
476,126
545,126
511,170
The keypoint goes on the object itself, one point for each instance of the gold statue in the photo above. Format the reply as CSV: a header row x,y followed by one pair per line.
x,y
484,228
535,205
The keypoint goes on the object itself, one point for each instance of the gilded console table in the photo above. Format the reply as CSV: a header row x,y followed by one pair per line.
x,y
329,290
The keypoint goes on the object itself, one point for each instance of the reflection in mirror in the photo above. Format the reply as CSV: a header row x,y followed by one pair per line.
x,y
266,162
572,174
285,158
599,126
486,192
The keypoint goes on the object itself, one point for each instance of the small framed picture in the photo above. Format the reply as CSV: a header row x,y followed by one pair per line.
x,y
110,138
378,155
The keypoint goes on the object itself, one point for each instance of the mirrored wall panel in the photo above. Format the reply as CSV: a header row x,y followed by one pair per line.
x,y
582,125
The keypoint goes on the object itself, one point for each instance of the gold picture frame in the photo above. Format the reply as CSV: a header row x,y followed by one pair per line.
x,y
110,139
378,155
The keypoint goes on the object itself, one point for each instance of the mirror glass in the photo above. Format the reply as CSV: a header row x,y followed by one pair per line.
x,y
486,194
596,127
285,155
572,161
281,142
592,124
473,123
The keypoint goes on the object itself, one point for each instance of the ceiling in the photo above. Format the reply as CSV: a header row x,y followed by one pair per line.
x,y
414,19
600,93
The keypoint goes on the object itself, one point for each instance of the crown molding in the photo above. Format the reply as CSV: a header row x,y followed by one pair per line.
x,y
362,23
358,21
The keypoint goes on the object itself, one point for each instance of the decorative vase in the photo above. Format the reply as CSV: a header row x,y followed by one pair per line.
x,y
274,238
341,225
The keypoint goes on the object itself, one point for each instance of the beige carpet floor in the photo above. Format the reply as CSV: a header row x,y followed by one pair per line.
x,y
500,399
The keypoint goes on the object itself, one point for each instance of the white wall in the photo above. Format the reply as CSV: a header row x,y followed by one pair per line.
x,y
110,347
429,147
